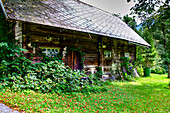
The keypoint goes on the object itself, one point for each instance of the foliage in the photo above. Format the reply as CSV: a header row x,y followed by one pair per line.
x,y
130,21
139,56
146,94
150,53
143,8
117,15
158,25
145,56
129,70
19,74
5,32
99,72
158,70
140,70
47,59
51,77
154,15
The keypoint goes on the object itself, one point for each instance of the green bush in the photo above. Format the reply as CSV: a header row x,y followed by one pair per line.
x,y
153,70
158,70
125,63
140,70
18,73
51,77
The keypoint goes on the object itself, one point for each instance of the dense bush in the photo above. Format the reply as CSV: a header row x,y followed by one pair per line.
x,y
51,77
18,73
158,70
140,70
153,70
127,68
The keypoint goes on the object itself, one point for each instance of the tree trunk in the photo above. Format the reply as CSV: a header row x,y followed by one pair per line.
x,y
163,30
168,71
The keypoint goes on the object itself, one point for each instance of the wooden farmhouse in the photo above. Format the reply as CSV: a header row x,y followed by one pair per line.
x,y
86,36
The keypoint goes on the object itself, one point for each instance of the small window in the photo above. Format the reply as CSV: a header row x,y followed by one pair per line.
x,y
107,54
127,54
56,50
50,51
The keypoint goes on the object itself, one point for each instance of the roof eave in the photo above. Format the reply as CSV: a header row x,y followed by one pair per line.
x,y
116,37
148,45
3,9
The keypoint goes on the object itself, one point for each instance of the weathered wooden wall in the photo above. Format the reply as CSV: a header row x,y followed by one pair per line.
x,y
18,32
93,46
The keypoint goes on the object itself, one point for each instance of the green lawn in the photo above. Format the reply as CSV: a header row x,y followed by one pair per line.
x,y
147,94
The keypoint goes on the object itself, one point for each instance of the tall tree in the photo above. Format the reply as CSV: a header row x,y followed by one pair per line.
x,y
143,8
157,22
130,21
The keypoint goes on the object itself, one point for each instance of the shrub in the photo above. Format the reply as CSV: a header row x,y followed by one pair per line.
x,y
140,70
153,70
158,70
129,70
51,77
18,73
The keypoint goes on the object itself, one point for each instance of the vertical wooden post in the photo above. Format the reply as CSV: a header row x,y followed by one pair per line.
x,y
62,48
98,50
26,37
112,52
18,32
135,52
72,60
102,54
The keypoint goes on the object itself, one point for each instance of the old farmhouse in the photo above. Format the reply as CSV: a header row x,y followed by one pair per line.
x,y
86,36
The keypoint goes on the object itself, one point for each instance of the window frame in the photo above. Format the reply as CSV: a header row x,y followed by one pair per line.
x,y
52,52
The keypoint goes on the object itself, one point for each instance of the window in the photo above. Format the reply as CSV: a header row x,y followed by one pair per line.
x,y
107,54
50,51
127,54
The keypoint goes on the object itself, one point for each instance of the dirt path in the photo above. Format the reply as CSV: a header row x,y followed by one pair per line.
x,y
6,109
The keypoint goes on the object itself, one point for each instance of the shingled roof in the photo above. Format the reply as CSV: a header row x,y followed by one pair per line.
x,y
71,14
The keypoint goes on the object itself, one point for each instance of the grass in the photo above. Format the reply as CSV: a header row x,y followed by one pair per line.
x,y
147,94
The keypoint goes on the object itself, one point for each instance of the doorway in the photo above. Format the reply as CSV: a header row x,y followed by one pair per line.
x,y
75,60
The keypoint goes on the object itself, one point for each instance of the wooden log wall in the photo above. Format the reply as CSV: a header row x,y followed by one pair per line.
x,y
18,32
93,46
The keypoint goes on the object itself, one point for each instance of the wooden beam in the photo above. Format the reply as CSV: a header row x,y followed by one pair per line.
x,y
60,35
27,35
102,52
98,49
67,42
72,58
134,52
56,32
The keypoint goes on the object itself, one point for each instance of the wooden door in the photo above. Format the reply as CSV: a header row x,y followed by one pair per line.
x,y
74,60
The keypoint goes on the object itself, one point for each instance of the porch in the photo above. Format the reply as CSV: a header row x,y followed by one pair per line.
x,y
79,50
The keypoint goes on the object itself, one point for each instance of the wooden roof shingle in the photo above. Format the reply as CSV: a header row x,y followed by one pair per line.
x,y
71,14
